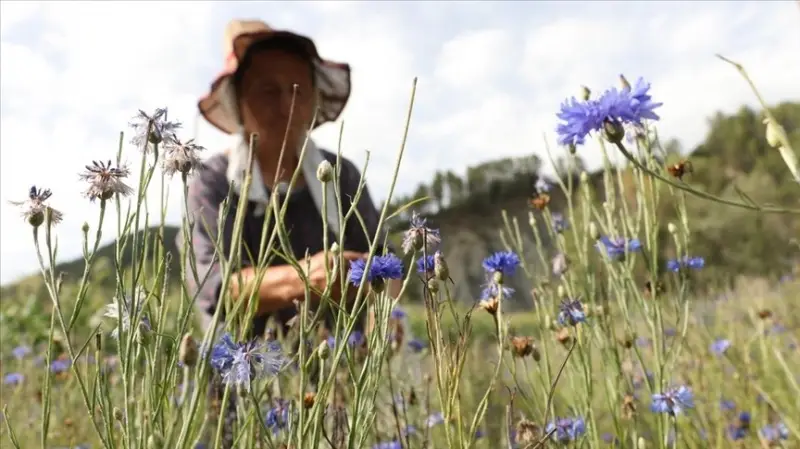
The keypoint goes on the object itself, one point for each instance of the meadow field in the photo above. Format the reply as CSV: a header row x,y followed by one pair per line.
x,y
619,350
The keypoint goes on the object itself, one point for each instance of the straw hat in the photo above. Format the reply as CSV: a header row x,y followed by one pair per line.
x,y
220,107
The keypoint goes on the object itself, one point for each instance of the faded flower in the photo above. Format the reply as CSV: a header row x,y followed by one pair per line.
x,y
419,236
151,130
35,209
122,309
105,180
181,157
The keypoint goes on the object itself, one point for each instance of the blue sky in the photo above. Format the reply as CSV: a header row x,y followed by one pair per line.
x,y
491,76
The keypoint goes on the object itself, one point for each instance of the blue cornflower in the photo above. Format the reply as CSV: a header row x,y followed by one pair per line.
x,y
398,313
491,290
434,419
560,223
419,236
381,269
566,429
416,345
616,248
695,263
388,445
720,346
673,401
60,366
241,363
13,378
571,312
738,430
425,264
541,186
727,405
20,352
772,433
277,417
505,262
626,106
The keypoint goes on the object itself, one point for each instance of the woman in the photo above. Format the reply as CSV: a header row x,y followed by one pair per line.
x,y
273,85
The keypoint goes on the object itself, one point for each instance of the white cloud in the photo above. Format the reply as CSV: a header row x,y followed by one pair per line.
x,y
491,77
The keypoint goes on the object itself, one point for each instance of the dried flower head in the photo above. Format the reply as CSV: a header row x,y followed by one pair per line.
x,y
540,201
560,264
765,314
563,336
526,432
151,130
188,352
105,180
628,406
490,305
652,291
308,399
35,209
419,236
440,269
680,169
181,157
122,309
523,347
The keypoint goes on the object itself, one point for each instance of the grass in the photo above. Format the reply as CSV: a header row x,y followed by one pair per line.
x,y
584,368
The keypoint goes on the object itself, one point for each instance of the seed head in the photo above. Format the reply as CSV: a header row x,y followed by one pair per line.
x,y
440,269
527,433
523,347
35,210
105,180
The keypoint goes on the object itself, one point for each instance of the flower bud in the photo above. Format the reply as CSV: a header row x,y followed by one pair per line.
x,y
584,177
498,277
440,269
187,353
324,350
772,133
531,219
585,93
155,441
433,285
672,228
613,130
641,444
594,233
117,414
335,248
325,172
561,291
85,227
624,83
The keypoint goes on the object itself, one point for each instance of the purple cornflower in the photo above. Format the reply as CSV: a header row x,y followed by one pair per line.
x,y
626,106
35,208
738,430
388,445
727,405
720,346
13,378
505,262
616,248
566,429
560,223
20,352
160,129
772,433
425,264
419,236
240,363
673,401
695,263
381,269
356,338
571,312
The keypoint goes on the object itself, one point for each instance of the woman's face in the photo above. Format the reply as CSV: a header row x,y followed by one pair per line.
x,y
265,97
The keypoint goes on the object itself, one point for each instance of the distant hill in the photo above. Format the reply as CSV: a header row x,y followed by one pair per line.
x,y
468,211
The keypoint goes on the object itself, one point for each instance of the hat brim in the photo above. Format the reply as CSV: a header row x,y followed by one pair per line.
x,y
220,108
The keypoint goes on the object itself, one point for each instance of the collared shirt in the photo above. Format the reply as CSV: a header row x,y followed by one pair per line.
x,y
303,221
